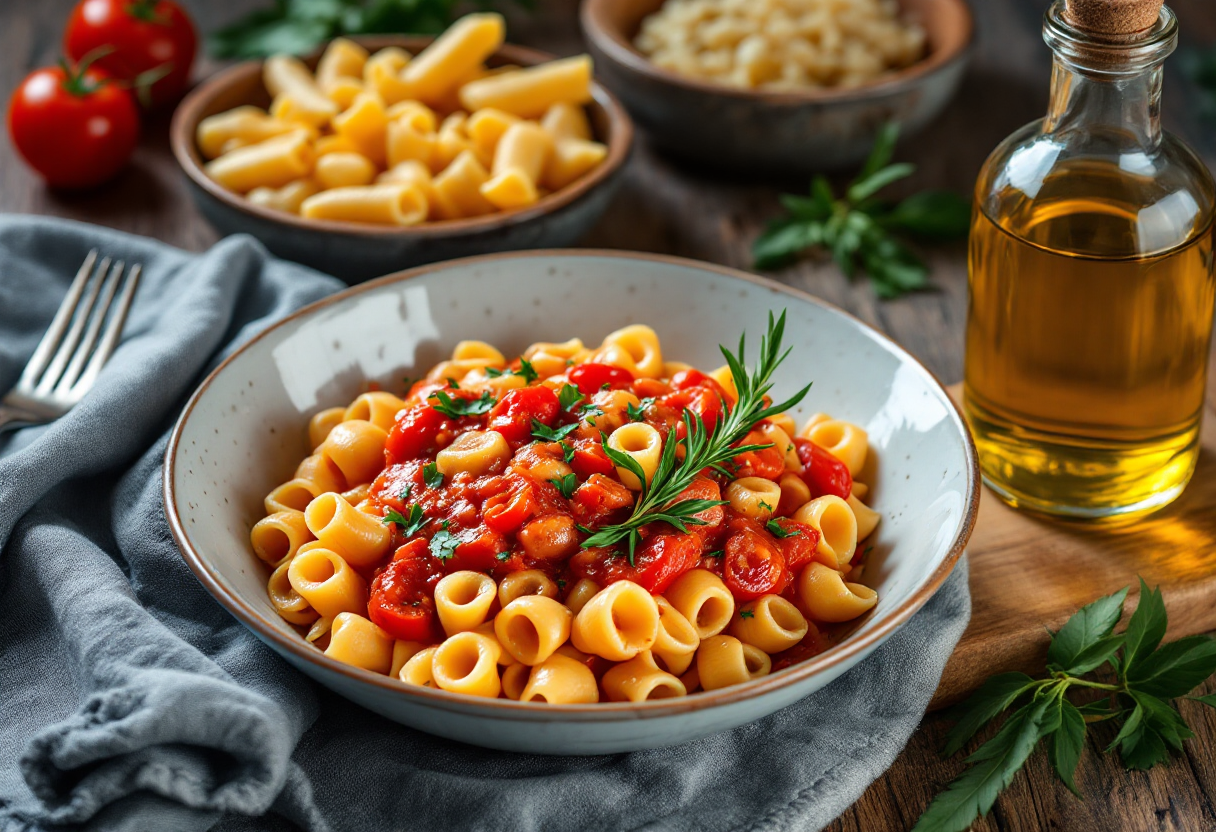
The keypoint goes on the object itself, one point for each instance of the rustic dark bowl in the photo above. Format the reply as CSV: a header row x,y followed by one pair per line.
x,y
357,251
727,127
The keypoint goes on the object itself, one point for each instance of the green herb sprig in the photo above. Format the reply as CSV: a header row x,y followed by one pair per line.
x,y
411,523
526,371
457,408
298,26
1136,675
857,230
658,500
543,433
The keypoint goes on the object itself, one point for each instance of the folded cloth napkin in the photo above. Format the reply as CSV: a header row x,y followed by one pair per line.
x,y
132,701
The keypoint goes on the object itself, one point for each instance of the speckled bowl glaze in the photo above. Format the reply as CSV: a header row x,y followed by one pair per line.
x,y
244,431
776,132
357,251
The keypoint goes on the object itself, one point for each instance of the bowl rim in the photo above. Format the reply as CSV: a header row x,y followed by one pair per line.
x,y
612,43
188,114
851,647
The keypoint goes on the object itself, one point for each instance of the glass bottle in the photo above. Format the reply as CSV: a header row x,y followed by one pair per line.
x,y
1092,285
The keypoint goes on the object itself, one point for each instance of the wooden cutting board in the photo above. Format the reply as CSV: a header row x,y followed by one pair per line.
x,y
1029,573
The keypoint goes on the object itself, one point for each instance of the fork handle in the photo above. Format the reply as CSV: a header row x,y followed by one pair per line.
x,y
11,417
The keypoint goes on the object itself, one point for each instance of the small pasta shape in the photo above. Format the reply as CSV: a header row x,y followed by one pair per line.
x,y
321,471
641,442
458,188
318,633
795,493
866,517
343,170
677,641
754,497
279,536
474,452
454,56
328,583
486,628
860,490
271,164
532,627
478,351
843,440
523,583
382,74
582,592
343,58
365,124
238,128
519,160
771,623
566,121
619,622
403,651
827,597
288,198
690,679
417,670
323,422
463,600
357,449
528,93
559,680
356,641
391,203
486,128
642,344
378,407
837,526
297,96
724,660
726,380
359,538
293,495
467,663
780,440
288,603
570,159
810,423
640,679
786,422
700,596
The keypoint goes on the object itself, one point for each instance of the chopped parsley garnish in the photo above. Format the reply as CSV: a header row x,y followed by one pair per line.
x,y
503,557
607,385
452,383
411,523
444,543
566,484
456,408
589,410
636,412
525,371
405,493
765,506
746,614
543,433
775,529
568,452
716,553
431,475
569,396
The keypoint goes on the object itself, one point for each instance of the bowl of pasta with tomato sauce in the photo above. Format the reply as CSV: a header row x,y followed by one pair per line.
x,y
571,502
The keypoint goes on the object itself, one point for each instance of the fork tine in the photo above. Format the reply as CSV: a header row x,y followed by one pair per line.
x,y
68,346
89,341
46,347
110,339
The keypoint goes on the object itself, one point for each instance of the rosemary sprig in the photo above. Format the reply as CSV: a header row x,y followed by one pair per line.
x,y
703,448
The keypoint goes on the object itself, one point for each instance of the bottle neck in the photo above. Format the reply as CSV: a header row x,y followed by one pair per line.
x,y
1126,106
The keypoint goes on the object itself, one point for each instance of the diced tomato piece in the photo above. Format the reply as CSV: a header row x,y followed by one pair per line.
x,y
513,414
402,601
700,400
477,551
507,510
650,388
695,378
798,548
822,472
703,488
414,433
589,458
752,565
658,561
600,496
768,462
590,378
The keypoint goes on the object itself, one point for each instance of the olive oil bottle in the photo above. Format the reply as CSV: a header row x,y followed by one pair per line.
x,y
1092,281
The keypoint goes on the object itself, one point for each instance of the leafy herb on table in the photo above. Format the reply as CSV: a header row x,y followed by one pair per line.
x,y
659,499
1137,676
859,230
457,408
544,433
431,475
298,26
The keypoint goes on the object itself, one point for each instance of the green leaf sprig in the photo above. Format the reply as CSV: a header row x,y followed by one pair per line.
x,y
857,230
456,408
298,26
703,448
526,371
1137,676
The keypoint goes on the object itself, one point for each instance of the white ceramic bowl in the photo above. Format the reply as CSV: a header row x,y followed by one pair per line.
x,y
243,432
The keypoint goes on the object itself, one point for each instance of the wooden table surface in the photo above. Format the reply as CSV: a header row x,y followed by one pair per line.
x,y
664,207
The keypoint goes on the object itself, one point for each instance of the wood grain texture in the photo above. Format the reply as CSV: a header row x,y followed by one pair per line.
x,y
667,207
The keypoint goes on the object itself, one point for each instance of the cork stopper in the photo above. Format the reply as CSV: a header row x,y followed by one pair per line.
x,y
1116,21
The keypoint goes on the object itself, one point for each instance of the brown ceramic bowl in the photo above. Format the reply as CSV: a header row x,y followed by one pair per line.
x,y
357,251
776,131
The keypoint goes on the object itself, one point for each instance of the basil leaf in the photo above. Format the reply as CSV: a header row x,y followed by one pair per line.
x,y
431,475
1090,624
992,697
569,396
1175,669
1145,628
543,433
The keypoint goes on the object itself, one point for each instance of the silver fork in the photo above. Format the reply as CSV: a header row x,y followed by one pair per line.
x,y
81,340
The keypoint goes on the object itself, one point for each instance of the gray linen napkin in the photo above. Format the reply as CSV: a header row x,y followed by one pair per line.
x,y
130,700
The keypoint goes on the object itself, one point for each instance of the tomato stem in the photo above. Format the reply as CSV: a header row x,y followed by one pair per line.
x,y
146,10
74,80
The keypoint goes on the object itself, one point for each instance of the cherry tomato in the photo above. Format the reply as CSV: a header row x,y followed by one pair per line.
x,y
695,378
477,551
507,510
650,388
148,38
598,497
414,433
798,548
822,472
77,128
703,488
589,458
752,565
768,462
402,600
657,562
513,414
590,378
700,400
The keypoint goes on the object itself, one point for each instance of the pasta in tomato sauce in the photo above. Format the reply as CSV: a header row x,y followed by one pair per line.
x,y
577,524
